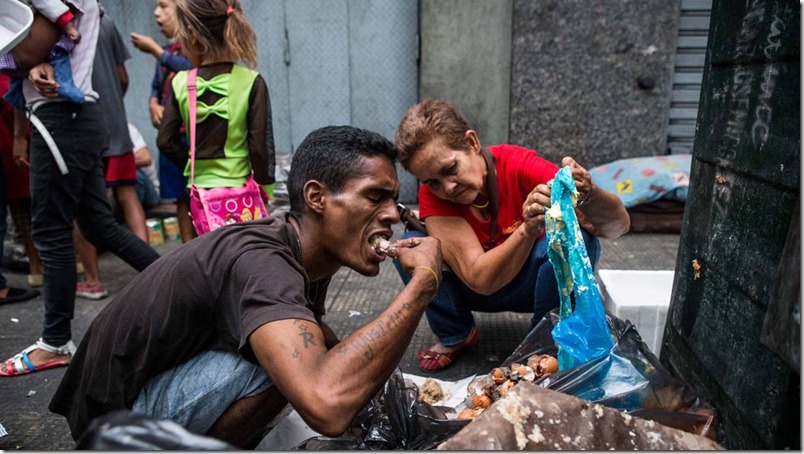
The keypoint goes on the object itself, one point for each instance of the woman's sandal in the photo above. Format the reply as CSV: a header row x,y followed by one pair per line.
x,y
430,361
20,364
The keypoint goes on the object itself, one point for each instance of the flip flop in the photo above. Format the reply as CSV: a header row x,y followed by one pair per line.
x,y
20,364
16,295
430,361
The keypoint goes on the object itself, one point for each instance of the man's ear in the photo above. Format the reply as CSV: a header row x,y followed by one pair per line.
x,y
314,196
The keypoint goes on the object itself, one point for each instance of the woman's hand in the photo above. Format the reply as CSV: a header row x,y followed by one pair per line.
x,y
583,180
44,80
537,202
600,212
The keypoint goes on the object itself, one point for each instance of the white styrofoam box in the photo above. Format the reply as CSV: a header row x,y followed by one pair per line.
x,y
640,296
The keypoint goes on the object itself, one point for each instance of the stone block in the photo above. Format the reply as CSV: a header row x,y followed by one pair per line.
x,y
532,418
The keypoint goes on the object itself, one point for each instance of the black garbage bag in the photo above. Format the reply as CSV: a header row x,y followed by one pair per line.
x,y
395,420
127,431
630,379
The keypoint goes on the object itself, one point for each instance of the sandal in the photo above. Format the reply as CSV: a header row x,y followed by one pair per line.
x,y
21,365
430,361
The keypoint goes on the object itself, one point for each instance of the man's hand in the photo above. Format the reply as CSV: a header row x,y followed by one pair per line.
x,y
421,252
533,209
43,80
146,44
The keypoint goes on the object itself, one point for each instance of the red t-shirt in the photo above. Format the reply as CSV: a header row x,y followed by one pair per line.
x,y
519,170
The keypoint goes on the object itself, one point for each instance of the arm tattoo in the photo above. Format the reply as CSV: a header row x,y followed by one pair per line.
x,y
381,328
308,338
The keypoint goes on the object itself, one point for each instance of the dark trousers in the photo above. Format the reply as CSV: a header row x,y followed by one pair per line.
x,y
57,200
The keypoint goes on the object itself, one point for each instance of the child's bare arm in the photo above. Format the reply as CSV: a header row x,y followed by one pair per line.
x,y
60,14
35,48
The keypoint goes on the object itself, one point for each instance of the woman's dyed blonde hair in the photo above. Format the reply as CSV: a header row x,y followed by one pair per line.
x,y
430,120
216,28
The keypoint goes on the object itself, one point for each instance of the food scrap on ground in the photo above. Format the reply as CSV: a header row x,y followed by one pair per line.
x,y
489,388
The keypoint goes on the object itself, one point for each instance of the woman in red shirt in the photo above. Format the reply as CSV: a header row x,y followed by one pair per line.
x,y
486,206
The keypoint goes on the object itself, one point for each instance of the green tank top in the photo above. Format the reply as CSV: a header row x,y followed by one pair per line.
x,y
235,87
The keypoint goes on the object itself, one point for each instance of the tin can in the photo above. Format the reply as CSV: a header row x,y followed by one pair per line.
x,y
171,228
155,236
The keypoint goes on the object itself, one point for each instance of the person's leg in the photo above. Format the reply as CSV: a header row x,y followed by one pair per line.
x,y
89,256
185,221
97,223
54,200
146,193
546,295
449,318
172,185
21,216
133,212
244,423
90,287
215,393
121,177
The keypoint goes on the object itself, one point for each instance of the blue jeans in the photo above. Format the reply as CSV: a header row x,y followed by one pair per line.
x,y
57,200
534,290
195,394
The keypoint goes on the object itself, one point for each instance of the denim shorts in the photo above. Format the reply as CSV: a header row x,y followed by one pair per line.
x,y
196,393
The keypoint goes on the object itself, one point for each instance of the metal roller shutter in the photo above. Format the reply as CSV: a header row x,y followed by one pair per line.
x,y
687,74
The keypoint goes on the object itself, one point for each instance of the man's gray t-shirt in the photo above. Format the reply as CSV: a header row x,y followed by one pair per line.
x,y
111,52
209,294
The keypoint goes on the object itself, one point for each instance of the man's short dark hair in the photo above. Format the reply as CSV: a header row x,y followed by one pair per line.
x,y
332,155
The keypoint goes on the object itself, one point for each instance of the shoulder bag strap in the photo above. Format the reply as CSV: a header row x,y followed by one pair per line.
x,y
491,186
192,100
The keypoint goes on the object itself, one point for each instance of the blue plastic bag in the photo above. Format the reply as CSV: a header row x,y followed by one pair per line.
x,y
581,335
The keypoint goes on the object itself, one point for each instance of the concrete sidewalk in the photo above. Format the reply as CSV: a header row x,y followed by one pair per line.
x,y
353,301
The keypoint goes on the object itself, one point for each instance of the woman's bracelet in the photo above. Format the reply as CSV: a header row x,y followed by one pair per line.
x,y
432,271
